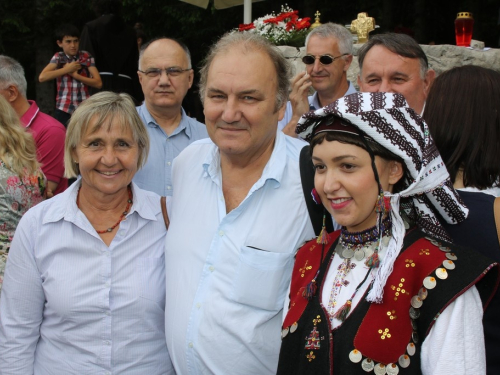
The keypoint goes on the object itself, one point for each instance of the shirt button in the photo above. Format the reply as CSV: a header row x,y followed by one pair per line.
x,y
106,343
168,163
107,373
169,187
108,313
211,268
221,233
198,305
107,284
190,345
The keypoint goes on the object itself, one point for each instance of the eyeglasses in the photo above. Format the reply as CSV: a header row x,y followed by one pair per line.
x,y
323,59
171,72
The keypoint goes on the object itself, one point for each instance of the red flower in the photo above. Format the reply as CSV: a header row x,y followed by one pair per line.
x,y
246,26
274,20
303,23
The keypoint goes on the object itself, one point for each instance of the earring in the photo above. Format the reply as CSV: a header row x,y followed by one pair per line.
x,y
315,196
323,235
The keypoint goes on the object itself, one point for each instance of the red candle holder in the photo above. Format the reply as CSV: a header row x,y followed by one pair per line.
x,y
463,29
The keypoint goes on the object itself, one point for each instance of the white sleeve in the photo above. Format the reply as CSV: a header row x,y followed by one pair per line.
x,y
455,344
21,304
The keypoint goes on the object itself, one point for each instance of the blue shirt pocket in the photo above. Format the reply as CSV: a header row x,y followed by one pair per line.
x,y
262,278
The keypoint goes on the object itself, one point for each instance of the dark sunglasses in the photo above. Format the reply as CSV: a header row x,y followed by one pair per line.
x,y
323,59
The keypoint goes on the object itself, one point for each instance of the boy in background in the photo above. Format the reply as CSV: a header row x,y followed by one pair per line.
x,y
74,71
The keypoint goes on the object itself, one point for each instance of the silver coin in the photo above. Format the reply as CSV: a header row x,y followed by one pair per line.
x,y
355,356
368,252
416,302
446,249
430,282
367,365
449,265
413,324
414,337
422,293
392,369
404,361
414,313
434,242
451,256
411,349
379,369
348,253
293,327
284,332
359,254
442,273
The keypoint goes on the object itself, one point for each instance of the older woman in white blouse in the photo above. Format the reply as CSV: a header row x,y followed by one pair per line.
x,y
84,288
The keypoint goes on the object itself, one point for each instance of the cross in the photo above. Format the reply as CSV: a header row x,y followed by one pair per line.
x,y
317,14
362,26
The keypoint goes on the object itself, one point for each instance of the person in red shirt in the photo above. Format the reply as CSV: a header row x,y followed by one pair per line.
x,y
48,133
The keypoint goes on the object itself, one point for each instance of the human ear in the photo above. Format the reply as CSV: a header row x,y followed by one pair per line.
x,y
429,78
348,61
395,172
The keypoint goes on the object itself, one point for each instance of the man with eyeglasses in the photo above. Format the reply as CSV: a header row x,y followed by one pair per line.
x,y
165,74
395,63
328,57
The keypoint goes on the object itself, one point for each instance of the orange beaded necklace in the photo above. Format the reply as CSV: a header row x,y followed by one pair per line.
x,y
110,229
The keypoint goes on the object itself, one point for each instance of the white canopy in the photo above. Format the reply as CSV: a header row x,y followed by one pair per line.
x,y
223,4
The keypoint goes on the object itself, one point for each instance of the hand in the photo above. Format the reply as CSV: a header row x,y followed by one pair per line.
x,y
72,67
299,94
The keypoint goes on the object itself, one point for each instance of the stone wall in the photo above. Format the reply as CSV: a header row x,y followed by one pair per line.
x,y
441,58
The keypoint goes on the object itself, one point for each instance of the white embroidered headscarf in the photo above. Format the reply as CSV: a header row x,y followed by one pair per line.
x,y
388,121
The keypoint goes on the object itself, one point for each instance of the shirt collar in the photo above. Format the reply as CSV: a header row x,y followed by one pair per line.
x,y
273,170
183,124
63,206
30,114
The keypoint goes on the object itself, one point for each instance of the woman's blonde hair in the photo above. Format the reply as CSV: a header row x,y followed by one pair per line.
x,y
17,146
101,109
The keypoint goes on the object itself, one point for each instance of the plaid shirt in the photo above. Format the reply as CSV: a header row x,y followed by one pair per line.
x,y
71,92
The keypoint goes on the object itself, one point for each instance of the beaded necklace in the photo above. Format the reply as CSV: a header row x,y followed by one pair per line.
x,y
357,245
124,213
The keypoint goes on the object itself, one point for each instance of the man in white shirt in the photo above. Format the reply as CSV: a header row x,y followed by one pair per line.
x,y
238,215
328,57
395,63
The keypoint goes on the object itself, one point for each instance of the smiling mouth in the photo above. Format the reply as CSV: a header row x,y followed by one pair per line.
x,y
109,173
339,200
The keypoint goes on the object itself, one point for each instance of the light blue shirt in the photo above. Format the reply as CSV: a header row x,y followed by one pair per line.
x,y
227,274
156,173
72,305
313,105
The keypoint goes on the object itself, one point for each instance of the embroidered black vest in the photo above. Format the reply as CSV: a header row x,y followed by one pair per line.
x,y
428,274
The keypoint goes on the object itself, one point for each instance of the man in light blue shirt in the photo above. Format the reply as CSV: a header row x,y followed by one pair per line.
x,y
237,219
166,75
328,57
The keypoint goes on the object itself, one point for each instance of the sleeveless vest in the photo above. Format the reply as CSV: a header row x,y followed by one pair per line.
x,y
427,276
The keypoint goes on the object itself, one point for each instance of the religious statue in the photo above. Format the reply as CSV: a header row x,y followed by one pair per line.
x,y
362,26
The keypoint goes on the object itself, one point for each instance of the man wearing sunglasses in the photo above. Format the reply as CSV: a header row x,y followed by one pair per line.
x,y
165,75
395,63
328,57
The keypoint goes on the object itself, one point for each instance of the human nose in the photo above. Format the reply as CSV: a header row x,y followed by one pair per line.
x,y
385,86
108,156
164,78
317,65
231,112
331,183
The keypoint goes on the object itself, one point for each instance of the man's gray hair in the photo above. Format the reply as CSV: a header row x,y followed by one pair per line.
x,y
400,44
12,73
250,42
182,45
334,31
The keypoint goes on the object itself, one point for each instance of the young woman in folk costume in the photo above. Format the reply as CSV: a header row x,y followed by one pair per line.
x,y
388,293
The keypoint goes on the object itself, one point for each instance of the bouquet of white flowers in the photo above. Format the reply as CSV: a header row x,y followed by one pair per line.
x,y
285,28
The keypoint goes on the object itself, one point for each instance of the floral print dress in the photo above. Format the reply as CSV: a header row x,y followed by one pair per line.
x,y
17,195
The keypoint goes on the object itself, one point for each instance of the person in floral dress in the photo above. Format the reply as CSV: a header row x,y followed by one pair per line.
x,y
22,183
